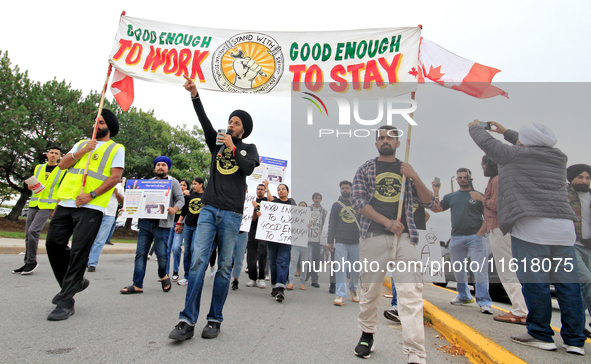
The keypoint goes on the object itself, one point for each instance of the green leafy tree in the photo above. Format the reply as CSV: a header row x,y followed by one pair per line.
x,y
34,116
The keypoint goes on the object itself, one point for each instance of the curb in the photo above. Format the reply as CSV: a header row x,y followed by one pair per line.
x,y
479,349
42,250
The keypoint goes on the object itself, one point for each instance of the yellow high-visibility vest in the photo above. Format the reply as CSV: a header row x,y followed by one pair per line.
x,y
46,199
98,172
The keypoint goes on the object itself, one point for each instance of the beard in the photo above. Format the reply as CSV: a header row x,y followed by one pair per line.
x,y
160,174
387,151
346,195
101,133
581,187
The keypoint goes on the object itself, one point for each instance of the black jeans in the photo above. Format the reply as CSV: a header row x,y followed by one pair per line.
x,y
69,264
256,251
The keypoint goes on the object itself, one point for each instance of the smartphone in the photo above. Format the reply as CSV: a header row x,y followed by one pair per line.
x,y
485,125
437,182
220,131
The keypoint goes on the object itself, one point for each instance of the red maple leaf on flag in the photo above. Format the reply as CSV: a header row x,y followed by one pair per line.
x,y
434,74
413,72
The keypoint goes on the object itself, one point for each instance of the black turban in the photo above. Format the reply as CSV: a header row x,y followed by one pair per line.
x,y
111,121
246,121
573,171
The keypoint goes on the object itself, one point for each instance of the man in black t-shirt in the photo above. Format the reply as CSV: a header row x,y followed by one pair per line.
x,y
256,250
187,224
232,161
467,238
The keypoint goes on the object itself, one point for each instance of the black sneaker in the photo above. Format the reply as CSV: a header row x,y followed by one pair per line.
x,y
60,313
274,292
234,285
91,268
182,331
392,315
280,296
211,330
108,243
29,268
332,288
365,346
19,270
315,285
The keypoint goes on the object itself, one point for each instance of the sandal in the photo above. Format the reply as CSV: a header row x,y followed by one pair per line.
x,y
166,282
130,289
510,318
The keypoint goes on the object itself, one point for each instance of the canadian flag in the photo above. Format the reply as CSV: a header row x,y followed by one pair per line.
x,y
122,89
449,70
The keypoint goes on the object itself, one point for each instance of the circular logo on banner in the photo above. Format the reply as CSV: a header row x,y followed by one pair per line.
x,y
248,63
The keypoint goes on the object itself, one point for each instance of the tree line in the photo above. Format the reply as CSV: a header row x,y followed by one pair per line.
x,y
34,116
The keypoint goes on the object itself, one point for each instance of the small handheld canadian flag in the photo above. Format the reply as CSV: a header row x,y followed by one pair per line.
x,y
122,89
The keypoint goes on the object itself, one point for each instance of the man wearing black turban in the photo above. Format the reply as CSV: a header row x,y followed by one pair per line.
x,y
579,197
79,213
232,161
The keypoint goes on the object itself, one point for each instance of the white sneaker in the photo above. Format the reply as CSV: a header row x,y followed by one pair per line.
x,y
486,309
339,301
213,270
354,296
251,283
457,301
579,350
528,340
268,278
261,283
183,282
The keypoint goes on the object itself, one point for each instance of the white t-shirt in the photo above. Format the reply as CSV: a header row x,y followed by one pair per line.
x,y
118,162
585,198
111,209
545,231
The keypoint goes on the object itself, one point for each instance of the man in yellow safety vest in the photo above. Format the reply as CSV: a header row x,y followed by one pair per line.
x,y
79,214
41,207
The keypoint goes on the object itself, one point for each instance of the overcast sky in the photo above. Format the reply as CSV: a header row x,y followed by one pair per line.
x,y
529,41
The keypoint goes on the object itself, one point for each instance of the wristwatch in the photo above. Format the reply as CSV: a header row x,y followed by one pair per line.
x,y
93,194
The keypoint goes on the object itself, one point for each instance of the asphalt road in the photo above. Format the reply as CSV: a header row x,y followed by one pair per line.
x,y
109,327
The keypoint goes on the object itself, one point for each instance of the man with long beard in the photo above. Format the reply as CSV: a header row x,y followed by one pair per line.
x,y
79,215
579,176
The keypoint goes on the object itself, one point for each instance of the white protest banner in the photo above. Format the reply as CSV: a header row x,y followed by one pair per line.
x,y
430,254
287,224
268,62
324,235
247,212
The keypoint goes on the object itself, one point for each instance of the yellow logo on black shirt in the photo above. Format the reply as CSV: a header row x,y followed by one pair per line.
x,y
346,216
226,164
195,205
388,187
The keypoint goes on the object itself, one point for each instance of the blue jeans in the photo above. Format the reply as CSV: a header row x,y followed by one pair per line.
x,y
149,231
100,240
475,246
279,261
298,253
176,249
188,238
212,222
346,253
536,290
584,263
112,229
238,255
394,294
